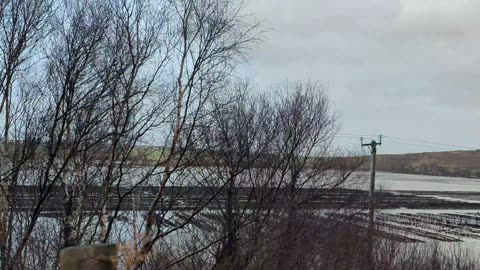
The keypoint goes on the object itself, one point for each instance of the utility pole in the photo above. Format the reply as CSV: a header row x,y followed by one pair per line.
x,y
371,203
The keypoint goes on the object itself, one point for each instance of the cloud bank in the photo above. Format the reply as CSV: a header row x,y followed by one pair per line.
x,y
404,68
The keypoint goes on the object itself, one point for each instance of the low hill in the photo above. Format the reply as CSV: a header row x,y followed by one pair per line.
x,y
453,163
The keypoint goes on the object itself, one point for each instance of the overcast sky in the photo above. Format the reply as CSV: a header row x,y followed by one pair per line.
x,y
403,68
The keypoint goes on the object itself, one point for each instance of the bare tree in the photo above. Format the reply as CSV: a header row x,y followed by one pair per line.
x,y
238,136
136,44
258,211
134,98
211,36
306,130
78,92
23,26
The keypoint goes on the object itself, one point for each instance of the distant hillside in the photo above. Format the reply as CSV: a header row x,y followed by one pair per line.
x,y
454,163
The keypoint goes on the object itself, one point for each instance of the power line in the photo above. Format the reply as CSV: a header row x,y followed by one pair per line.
x,y
405,141
357,135
421,145
432,143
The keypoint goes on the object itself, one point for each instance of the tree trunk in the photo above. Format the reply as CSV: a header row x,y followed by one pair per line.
x,y
103,223
288,233
229,252
3,224
69,228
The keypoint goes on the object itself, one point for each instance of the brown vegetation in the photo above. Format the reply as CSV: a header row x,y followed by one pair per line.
x,y
453,163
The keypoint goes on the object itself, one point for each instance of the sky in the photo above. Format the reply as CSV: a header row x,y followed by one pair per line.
x,y
407,69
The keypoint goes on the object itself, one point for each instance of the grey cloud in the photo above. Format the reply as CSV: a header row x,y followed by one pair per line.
x,y
404,67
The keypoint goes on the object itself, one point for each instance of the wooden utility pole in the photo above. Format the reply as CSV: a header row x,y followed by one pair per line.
x,y
371,202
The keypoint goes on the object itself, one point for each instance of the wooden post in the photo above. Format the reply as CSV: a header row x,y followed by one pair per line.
x,y
93,257
371,203
371,206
